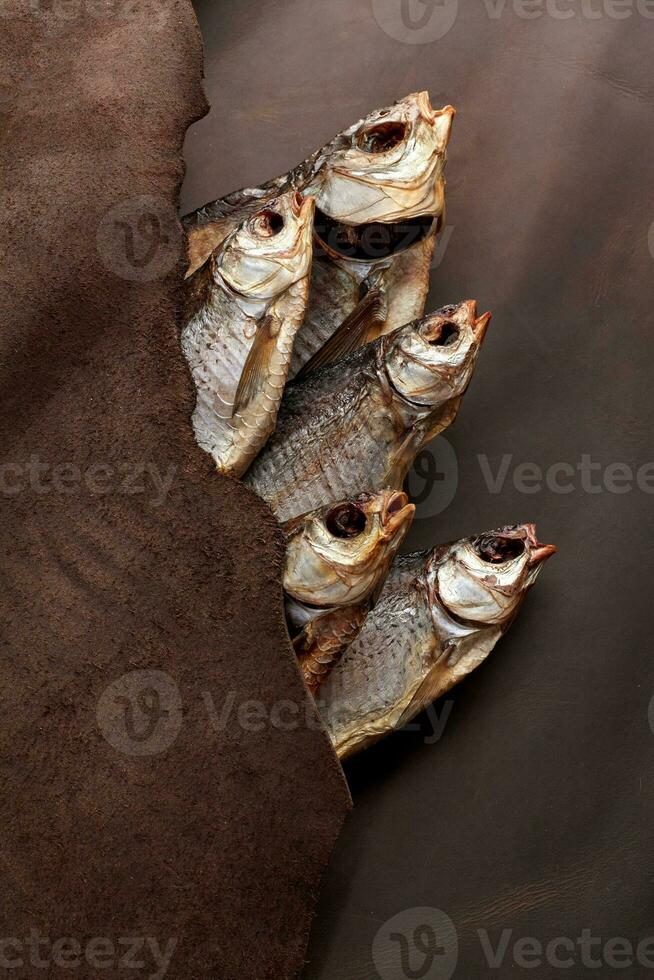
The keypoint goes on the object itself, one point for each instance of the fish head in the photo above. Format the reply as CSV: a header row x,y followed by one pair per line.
x,y
386,167
339,554
484,579
271,249
430,361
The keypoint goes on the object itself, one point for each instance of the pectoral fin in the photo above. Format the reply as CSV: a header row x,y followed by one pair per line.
x,y
324,640
402,459
255,369
363,324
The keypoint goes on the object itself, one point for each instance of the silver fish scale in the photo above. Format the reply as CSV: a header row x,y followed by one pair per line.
x,y
336,436
216,343
216,346
335,292
379,673
409,652
333,295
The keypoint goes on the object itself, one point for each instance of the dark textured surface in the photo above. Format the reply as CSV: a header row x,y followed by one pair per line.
x,y
214,840
534,811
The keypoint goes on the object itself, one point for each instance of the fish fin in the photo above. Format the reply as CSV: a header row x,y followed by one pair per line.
x,y
324,640
255,369
362,325
404,457
451,668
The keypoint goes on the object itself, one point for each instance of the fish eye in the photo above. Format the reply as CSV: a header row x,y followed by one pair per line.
x,y
382,137
267,224
446,335
496,550
345,521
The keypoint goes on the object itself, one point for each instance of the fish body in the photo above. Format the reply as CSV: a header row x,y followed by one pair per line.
x,y
337,559
438,618
360,421
244,308
380,197
338,284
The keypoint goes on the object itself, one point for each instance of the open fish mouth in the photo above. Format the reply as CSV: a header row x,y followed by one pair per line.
x,y
510,542
396,513
371,242
538,552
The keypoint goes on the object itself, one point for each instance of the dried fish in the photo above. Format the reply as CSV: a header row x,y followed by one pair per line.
x,y
439,616
337,559
244,308
361,421
380,198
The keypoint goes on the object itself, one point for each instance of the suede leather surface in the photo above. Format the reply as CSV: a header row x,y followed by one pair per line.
x,y
166,786
533,812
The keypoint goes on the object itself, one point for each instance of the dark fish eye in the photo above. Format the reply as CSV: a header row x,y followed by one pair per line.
x,y
446,310
345,521
447,334
496,550
268,223
382,137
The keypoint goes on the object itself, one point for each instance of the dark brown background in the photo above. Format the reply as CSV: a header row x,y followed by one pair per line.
x,y
203,833
534,811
